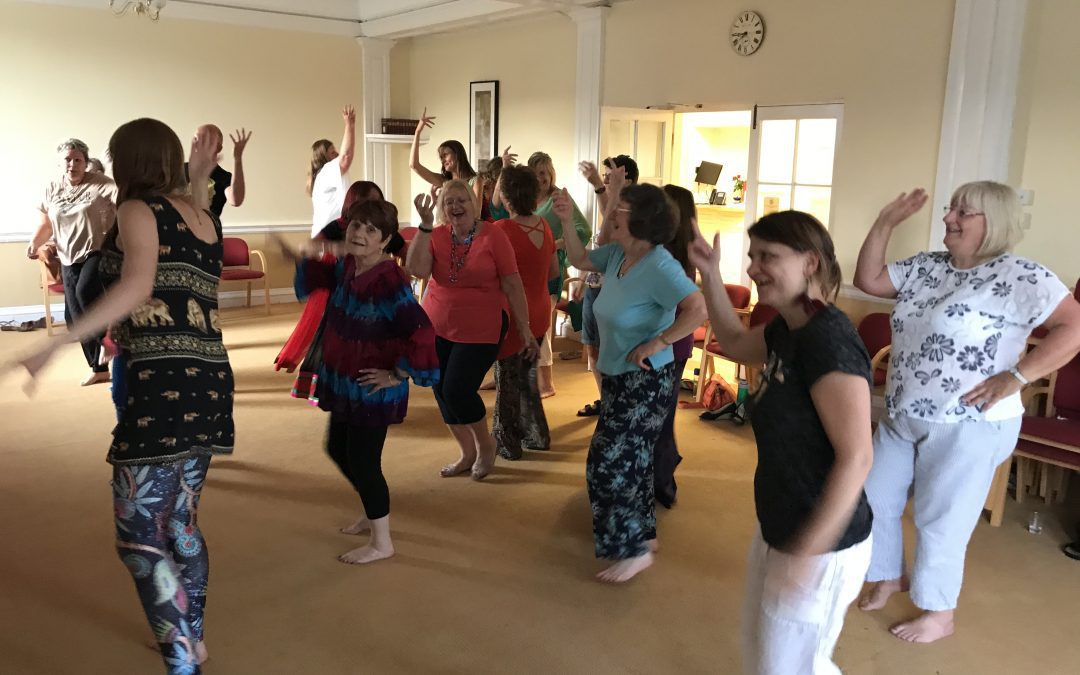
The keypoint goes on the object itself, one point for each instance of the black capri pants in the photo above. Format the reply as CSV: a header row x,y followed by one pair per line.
x,y
462,367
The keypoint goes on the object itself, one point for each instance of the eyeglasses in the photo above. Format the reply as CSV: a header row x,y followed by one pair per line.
x,y
619,208
455,202
962,213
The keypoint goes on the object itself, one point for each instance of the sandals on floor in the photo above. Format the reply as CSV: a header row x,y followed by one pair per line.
x,y
1072,550
590,409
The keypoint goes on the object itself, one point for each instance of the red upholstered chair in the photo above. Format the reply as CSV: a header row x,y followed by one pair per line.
x,y
236,262
1040,331
1050,443
876,332
740,299
760,315
49,289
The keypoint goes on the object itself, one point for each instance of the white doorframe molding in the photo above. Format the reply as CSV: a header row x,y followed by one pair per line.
x,y
590,23
375,67
980,99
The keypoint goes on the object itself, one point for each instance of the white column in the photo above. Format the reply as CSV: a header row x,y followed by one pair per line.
x,y
375,65
980,99
590,84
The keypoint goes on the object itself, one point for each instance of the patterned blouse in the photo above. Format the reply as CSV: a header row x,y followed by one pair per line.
x,y
372,321
179,382
953,328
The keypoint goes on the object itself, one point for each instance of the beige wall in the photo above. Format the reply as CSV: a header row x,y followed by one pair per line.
x,y
534,62
1047,145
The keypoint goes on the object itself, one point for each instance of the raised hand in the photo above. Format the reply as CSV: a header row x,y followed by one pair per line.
x,y
203,157
616,180
563,205
425,208
591,173
240,141
425,121
508,158
702,256
902,208
348,113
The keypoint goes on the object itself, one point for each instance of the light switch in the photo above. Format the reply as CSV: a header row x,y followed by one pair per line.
x,y
1027,197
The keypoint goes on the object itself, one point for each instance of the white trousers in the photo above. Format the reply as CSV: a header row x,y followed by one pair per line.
x,y
795,608
950,467
546,357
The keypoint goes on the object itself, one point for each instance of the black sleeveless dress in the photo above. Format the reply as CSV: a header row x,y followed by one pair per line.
x,y
179,383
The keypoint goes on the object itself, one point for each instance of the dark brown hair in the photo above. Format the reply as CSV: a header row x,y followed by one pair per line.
x,y
464,169
383,215
685,212
652,213
520,189
803,233
320,151
147,160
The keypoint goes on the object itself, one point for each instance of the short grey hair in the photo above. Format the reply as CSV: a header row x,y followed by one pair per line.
x,y
75,144
1001,205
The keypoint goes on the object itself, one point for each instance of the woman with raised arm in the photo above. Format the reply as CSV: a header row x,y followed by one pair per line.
x,y
162,263
376,338
453,161
474,294
959,360
328,174
636,313
811,417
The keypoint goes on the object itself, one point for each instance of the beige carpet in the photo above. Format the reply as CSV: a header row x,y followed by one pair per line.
x,y
493,577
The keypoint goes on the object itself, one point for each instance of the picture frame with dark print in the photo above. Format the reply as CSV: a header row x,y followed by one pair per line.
x,y
483,122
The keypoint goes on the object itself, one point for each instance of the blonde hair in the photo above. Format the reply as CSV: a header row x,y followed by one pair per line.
x,y
541,160
454,186
1000,204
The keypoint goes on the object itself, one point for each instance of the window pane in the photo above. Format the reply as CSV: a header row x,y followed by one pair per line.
x,y
817,140
777,151
815,201
773,198
650,151
620,138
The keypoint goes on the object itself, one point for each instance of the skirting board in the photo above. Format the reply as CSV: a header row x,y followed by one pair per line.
x,y
226,299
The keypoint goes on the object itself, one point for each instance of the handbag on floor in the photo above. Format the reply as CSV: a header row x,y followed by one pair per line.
x,y
307,379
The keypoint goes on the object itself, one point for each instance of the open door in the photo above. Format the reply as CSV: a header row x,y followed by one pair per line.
x,y
646,135
792,149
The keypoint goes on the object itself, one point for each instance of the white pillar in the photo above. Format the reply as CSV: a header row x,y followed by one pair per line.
x,y
375,66
590,84
980,99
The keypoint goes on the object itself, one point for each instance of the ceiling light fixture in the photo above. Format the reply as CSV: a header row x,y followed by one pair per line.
x,y
148,8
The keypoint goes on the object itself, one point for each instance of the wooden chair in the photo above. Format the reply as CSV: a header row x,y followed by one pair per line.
x,y
1049,443
876,332
739,296
50,287
236,262
759,315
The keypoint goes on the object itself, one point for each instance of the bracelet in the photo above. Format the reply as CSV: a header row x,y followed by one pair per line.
x,y
600,190
426,230
1015,372
664,340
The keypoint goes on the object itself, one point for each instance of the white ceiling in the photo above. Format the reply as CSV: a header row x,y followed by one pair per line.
x,y
389,19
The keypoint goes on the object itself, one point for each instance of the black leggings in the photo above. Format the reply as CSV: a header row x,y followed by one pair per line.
x,y
82,286
357,451
462,367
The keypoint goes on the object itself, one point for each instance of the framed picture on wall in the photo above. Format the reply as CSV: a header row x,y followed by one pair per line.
x,y
483,122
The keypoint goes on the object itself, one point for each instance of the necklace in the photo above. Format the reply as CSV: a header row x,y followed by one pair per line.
x,y
457,261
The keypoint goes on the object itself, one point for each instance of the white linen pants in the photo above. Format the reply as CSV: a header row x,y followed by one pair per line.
x,y
546,357
795,608
950,466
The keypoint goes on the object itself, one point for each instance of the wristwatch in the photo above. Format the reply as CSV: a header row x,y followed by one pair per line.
x,y
426,230
1015,372
600,190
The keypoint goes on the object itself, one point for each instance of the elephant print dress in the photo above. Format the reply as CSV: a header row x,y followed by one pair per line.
x,y
179,383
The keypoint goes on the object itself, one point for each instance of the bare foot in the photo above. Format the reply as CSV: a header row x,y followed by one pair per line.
x,y
366,554
547,393
359,526
625,570
878,593
929,627
95,378
459,467
201,655
654,545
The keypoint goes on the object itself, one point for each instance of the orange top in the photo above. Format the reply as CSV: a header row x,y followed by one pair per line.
x,y
534,266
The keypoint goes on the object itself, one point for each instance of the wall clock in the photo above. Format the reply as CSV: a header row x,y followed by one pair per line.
x,y
747,32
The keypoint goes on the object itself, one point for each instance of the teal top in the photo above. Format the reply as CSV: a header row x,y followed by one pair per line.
x,y
546,210
635,308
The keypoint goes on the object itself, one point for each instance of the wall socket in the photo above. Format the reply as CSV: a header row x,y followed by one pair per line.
x,y
1027,197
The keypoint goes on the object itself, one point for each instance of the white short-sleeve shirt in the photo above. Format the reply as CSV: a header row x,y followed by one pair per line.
x,y
953,328
328,195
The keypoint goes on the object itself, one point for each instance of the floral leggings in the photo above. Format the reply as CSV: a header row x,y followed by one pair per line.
x,y
158,540
619,469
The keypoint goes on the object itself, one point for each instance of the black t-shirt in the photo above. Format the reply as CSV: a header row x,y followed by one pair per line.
x,y
794,452
220,179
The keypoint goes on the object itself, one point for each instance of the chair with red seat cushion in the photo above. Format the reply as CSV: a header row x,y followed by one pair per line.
x,y
50,287
759,316
1051,442
236,266
876,332
739,296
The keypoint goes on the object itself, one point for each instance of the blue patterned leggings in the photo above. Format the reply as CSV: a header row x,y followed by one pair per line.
x,y
619,470
158,540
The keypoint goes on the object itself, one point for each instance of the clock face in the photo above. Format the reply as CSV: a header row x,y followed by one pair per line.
x,y
747,33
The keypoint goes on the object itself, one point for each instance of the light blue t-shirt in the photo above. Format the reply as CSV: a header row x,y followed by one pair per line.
x,y
637,307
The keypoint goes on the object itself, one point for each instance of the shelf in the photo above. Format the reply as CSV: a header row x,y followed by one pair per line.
x,y
392,138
